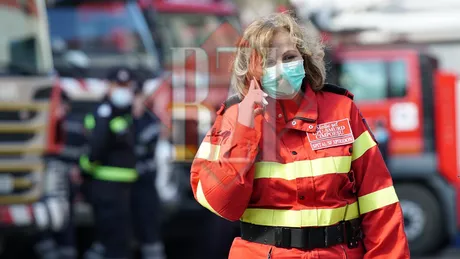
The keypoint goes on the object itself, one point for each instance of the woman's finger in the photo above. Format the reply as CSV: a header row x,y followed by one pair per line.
x,y
264,101
256,84
252,85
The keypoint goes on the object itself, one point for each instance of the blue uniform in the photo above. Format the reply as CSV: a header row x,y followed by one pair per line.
x,y
111,163
145,200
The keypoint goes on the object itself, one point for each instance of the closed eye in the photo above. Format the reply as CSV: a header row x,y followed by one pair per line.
x,y
289,58
270,63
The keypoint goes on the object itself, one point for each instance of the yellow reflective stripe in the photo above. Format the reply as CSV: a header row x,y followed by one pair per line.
x,y
89,122
377,200
208,151
116,174
86,165
202,199
118,124
300,218
306,168
363,143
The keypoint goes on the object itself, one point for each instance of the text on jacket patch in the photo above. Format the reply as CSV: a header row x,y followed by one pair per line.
x,y
331,134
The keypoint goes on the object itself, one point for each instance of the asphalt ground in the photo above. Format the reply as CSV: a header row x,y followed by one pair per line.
x,y
450,253
22,249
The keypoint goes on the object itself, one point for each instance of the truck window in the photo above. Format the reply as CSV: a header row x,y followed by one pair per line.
x,y
398,78
23,43
185,30
372,80
107,34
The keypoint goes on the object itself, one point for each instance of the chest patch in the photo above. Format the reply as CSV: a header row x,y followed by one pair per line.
x,y
331,134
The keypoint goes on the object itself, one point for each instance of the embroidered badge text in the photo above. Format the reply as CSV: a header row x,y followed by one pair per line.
x,y
331,134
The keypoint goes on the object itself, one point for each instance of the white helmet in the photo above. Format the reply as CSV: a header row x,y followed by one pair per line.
x,y
77,58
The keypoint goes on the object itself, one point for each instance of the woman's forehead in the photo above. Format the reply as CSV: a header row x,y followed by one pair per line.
x,y
281,42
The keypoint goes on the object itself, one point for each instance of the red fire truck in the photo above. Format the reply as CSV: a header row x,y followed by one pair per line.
x,y
401,89
32,181
200,38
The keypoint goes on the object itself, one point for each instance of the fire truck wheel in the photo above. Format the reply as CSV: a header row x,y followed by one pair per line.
x,y
422,218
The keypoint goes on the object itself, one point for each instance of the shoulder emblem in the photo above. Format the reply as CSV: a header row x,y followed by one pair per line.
x,y
234,99
104,110
337,90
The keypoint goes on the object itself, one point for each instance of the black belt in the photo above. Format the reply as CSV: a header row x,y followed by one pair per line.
x,y
304,238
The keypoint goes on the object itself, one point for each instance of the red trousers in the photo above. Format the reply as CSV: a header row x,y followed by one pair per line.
x,y
242,249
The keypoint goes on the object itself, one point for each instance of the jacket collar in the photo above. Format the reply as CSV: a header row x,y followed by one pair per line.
x,y
300,117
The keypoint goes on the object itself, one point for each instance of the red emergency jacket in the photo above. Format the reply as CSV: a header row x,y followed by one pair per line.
x,y
314,166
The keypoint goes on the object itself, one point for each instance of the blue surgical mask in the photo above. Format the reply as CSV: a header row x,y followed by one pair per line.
x,y
122,97
283,81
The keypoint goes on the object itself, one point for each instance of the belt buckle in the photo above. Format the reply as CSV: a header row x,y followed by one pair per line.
x,y
283,237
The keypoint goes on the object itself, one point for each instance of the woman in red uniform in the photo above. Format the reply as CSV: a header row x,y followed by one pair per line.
x,y
293,159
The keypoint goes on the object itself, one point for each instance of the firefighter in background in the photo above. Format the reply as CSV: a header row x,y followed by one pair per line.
x,y
293,159
111,162
144,197
383,138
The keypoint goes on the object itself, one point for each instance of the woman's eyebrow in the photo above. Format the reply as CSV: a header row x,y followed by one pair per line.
x,y
290,51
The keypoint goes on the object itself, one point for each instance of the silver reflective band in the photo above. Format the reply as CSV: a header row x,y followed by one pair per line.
x,y
148,133
147,165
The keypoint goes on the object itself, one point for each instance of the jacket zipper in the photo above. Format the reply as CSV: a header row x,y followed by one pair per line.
x,y
344,251
269,256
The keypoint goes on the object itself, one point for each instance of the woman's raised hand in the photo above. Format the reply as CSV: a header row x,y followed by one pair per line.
x,y
253,104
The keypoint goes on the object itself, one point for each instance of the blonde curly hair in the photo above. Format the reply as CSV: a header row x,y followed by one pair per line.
x,y
252,51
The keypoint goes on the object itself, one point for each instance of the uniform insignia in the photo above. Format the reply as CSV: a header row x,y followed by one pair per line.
x,y
123,75
217,136
104,111
331,134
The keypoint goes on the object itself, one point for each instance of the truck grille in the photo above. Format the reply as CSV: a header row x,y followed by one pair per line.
x,y
8,116
24,119
20,183
23,138
18,137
